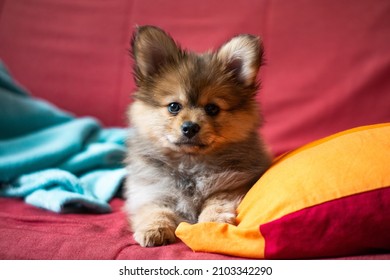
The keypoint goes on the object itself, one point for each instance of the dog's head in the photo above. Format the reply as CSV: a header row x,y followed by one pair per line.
x,y
194,103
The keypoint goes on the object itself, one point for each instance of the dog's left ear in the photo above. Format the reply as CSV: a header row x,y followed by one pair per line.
x,y
152,48
243,56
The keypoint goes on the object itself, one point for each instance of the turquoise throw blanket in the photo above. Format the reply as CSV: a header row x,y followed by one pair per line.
x,y
53,160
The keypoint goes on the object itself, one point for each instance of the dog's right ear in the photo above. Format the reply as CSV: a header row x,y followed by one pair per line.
x,y
152,48
242,55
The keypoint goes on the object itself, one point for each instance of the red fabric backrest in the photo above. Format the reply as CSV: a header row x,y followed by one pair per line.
x,y
328,62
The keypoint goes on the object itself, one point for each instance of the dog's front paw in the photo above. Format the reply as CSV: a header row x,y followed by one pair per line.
x,y
218,215
151,237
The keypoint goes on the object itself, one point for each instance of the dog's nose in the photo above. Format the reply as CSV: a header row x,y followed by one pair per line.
x,y
190,129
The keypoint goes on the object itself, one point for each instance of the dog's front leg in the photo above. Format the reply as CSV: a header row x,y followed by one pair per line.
x,y
220,208
154,225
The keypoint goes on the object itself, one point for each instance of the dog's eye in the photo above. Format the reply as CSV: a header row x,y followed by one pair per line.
x,y
174,108
211,109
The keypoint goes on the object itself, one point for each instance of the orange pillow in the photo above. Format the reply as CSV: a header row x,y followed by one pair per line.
x,y
326,199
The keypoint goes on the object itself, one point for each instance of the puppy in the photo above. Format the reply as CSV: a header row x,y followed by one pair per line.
x,y
194,149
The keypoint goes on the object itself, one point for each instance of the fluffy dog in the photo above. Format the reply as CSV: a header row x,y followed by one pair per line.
x,y
194,150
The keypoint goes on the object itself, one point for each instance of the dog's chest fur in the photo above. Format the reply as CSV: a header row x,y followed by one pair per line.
x,y
194,180
192,185
184,182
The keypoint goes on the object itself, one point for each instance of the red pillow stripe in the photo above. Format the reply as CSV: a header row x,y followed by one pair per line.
x,y
334,228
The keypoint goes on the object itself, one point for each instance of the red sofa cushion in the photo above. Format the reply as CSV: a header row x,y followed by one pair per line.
x,y
30,233
326,71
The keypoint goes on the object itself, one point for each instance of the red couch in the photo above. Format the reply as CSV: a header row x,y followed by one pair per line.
x,y
327,69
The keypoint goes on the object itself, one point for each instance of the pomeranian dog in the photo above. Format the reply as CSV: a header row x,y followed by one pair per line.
x,y
194,150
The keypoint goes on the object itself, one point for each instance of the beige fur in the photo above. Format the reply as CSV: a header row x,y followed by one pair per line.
x,y
174,177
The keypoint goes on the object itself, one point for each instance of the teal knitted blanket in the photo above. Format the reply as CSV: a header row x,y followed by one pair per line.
x,y
54,160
